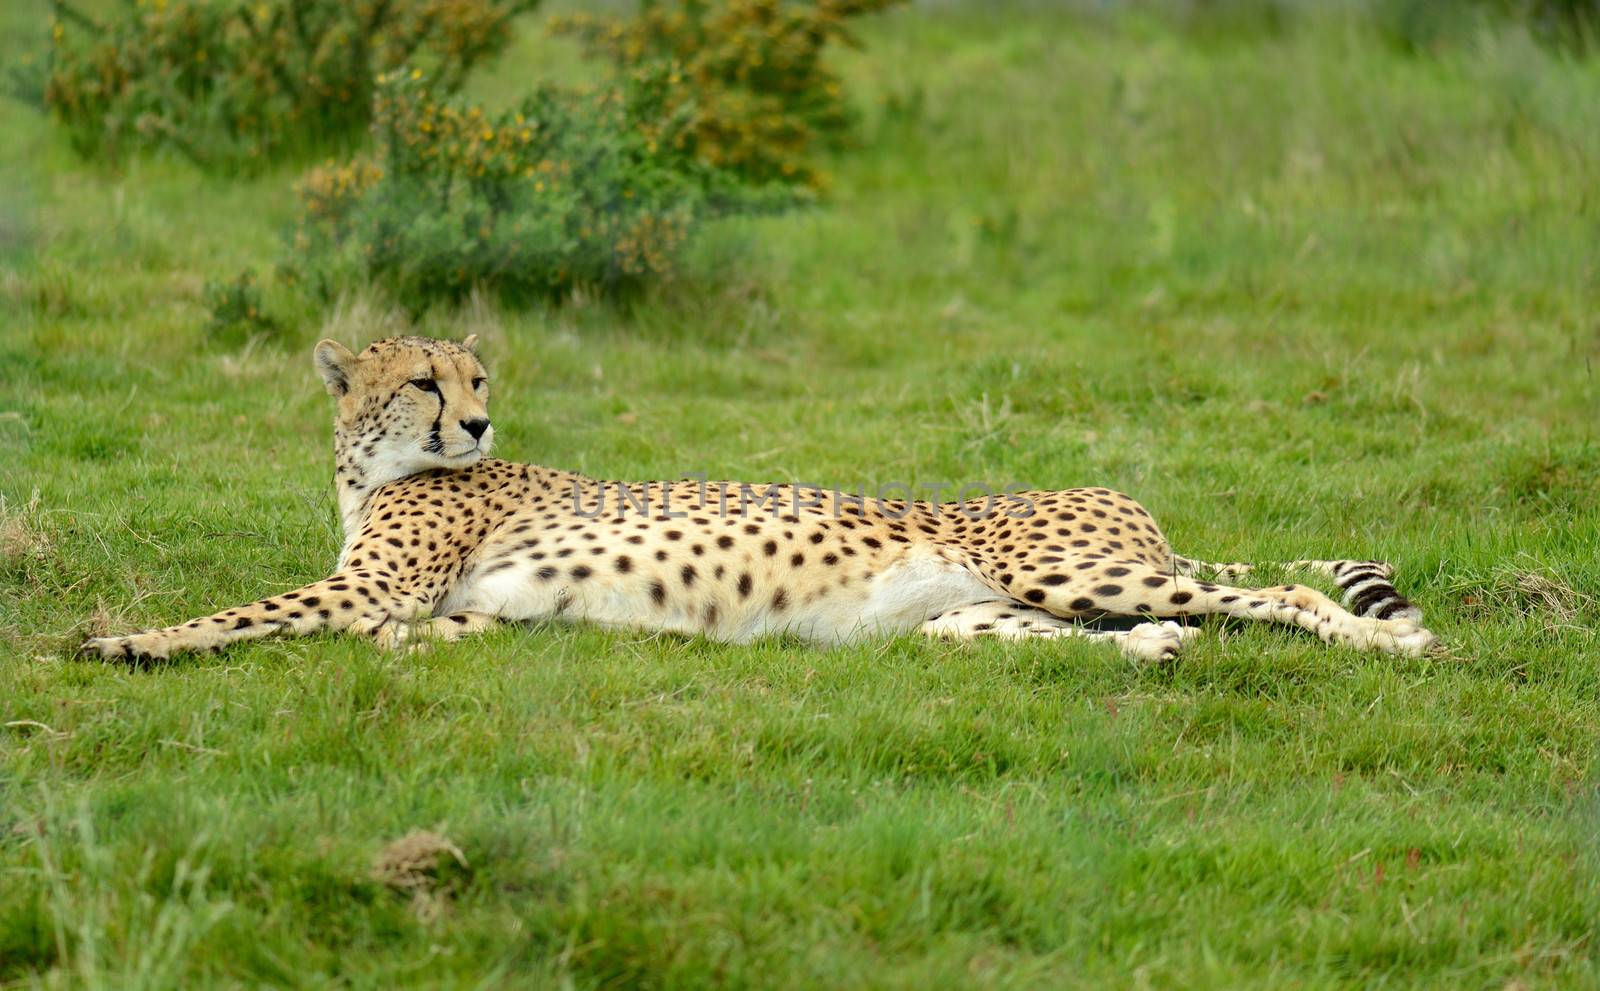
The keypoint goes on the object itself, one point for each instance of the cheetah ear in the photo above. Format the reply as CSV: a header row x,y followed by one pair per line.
x,y
471,343
334,362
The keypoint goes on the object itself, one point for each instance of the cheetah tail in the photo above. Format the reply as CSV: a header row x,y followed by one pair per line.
x,y
1365,584
1367,589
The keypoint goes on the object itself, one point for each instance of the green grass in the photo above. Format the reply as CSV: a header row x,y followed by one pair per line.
x,y
1301,295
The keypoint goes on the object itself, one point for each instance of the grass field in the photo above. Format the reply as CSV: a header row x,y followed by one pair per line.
x,y
1301,295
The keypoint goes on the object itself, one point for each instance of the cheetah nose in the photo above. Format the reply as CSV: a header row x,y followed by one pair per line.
x,y
475,427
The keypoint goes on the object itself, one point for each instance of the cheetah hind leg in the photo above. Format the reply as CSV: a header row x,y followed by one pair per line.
x,y
1009,619
397,635
1366,584
1294,605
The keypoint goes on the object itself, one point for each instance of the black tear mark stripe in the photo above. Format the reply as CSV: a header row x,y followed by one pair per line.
x,y
435,441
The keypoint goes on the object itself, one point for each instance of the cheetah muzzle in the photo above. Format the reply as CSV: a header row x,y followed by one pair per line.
x,y
442,541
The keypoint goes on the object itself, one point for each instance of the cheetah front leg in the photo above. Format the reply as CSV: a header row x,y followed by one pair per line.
x,y
1009,619
365,602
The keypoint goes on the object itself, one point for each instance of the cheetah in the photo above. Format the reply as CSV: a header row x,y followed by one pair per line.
x,y
441,540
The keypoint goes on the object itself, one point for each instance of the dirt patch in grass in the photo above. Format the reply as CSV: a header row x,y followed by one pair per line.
x,y
423,864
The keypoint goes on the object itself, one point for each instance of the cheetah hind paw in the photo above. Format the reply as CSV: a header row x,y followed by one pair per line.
x,y
1156,641
1410,639
133,647
402,636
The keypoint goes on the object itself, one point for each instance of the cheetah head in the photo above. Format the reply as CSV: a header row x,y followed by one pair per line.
x,y
406,404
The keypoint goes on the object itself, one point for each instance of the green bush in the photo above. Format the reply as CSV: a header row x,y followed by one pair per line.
x,y
236,309
556,194
1414,26
736,85
238,82
1427,25
1572,24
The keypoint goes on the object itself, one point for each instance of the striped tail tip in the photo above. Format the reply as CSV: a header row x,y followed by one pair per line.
x,y
1367,591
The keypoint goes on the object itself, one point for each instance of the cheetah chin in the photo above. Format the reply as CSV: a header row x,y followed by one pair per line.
x,y
439,546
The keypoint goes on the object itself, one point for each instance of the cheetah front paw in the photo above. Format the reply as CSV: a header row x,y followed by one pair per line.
x,y
153,645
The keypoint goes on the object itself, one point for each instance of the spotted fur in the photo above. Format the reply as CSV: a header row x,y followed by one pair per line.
x,y
442,541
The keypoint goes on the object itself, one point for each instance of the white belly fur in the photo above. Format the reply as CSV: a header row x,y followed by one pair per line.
x,y
898,600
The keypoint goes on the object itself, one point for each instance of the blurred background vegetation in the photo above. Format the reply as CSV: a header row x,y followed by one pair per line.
x,y
704,109
590,181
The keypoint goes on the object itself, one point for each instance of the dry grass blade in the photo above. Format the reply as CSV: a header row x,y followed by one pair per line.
x,y
1535,594
20,536
34,724
1543,594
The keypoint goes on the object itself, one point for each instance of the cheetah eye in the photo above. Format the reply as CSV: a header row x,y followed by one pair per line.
x,y
477,383
426,385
